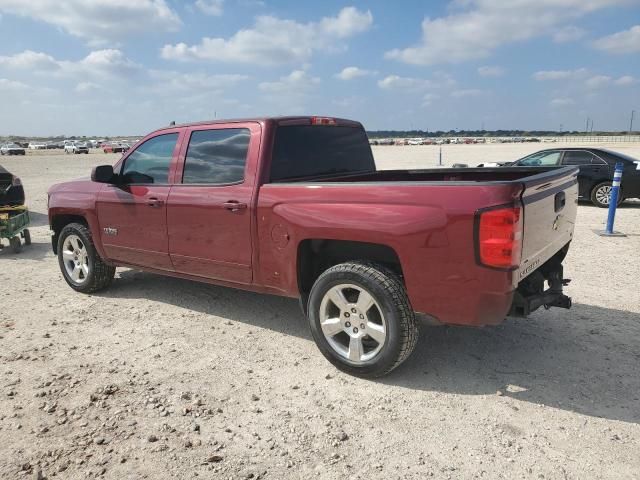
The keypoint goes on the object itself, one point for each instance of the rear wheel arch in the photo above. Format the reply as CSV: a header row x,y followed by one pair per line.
x,y
318,255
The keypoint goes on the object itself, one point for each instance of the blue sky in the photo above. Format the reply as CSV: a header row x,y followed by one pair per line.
x,y
105,67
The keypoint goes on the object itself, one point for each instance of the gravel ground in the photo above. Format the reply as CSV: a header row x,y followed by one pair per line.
x,y
165,378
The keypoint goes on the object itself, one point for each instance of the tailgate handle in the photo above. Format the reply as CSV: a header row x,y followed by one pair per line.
x,y
560,201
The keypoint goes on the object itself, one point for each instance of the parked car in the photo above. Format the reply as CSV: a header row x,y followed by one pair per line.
x,y
113,148
366,251
11,149
77,147
596,170
37,146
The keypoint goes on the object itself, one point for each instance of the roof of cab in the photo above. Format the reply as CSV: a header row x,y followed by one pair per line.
x,y
279,120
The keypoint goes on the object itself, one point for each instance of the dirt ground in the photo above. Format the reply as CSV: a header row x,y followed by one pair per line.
x,y
163,378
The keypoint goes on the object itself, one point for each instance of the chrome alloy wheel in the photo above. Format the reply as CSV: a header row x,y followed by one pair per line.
x,y
75,259
352,323
603,194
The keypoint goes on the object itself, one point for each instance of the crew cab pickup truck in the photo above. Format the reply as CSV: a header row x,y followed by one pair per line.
x,y
294,206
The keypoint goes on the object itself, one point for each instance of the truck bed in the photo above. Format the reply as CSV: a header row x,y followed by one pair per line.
x,y
429,218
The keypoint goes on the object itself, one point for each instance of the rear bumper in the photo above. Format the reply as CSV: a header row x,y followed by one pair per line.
x,y
489,304
531,293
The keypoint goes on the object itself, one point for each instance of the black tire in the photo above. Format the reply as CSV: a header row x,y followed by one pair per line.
x,y
16,244
389,293
595,194
26,234
100,274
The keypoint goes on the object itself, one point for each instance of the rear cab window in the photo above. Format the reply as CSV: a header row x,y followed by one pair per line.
x,y
302,152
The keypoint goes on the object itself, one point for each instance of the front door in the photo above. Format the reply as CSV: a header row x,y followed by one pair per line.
x,y
133,213
210,207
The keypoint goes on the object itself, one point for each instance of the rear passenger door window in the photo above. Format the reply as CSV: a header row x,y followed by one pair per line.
x,y
216,157
150,162
578,157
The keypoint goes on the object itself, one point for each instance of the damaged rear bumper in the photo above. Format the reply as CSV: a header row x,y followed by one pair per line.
x,y
531,293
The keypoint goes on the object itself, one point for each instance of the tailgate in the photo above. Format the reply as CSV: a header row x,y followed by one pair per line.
x,y
550,204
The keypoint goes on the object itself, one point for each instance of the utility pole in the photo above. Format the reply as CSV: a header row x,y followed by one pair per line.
x,y
586,127
631,121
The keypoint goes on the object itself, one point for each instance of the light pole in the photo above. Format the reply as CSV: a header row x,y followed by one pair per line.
x,y
631,121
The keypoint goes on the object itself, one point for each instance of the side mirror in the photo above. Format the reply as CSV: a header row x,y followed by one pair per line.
x,y
102,174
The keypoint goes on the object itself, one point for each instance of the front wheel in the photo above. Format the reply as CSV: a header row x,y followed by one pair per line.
x,y
601,195
361,319
81,266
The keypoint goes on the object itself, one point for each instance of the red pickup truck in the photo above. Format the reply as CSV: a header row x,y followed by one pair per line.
x,y
294,206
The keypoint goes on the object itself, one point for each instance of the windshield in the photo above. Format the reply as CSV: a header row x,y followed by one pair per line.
x,y
307,151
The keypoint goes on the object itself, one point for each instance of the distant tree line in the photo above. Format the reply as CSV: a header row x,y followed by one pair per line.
x,y
484,133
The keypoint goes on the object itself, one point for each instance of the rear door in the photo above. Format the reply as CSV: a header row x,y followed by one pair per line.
x,y
133,213
550,202
210,208
592,169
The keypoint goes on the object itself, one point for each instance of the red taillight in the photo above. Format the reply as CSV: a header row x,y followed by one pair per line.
x,y
323,121
500,237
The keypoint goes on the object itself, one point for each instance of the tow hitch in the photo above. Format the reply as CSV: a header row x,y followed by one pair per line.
x,y
531,295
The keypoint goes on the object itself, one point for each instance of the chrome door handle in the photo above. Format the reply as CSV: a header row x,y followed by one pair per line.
x,y
234,205
155,202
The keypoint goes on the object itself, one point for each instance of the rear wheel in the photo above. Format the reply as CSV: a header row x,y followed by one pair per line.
x,y
361,319
16,244
81,266
26,234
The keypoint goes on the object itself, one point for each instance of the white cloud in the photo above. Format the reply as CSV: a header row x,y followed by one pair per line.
x,y
98,21
29,60
428,99
627,41
625,80
598,81
406,83
544,75
87,87
567,34
350,73
350,21
273,41
489,71
11,85
562,102
170,82
296,82
210,7
485,25
98,63
470,92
